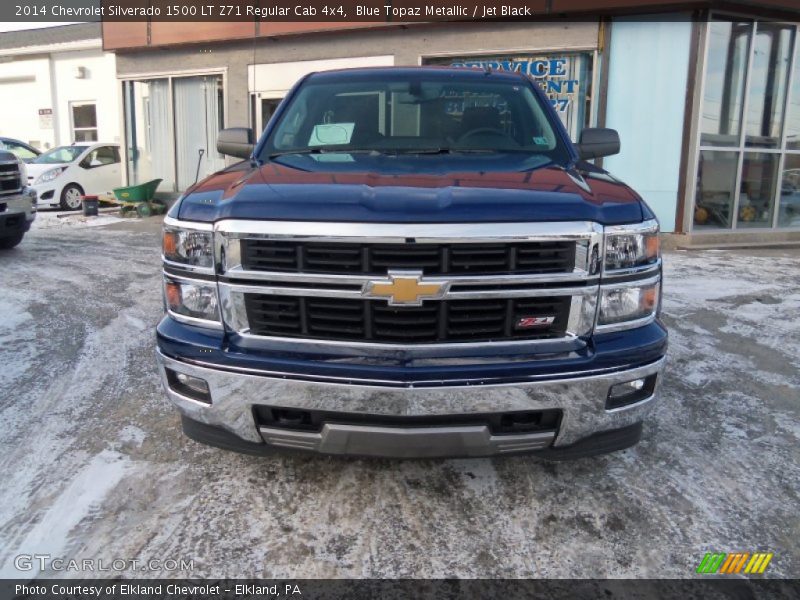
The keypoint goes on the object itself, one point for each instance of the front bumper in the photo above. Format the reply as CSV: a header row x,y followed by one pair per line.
x,y
580,398
17,212
46,196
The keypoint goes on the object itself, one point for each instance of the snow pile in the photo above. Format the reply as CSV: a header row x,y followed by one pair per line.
x,y
51,220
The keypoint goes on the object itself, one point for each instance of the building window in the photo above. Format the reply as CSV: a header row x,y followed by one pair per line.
x,y
789,207
728,45
84,122
749,154
261,111
565,77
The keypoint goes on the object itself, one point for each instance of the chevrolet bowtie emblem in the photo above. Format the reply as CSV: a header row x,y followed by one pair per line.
x,y
404,288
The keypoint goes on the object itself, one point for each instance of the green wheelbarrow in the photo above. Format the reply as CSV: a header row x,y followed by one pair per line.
x,y
139,199
143,192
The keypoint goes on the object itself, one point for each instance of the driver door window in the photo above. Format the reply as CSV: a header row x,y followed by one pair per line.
x,y
101,157
102,169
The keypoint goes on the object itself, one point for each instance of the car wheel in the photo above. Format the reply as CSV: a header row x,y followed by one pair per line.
x,y
71,197
9,242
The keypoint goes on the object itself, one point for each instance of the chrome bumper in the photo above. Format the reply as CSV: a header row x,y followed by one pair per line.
x,y
20,202
581,400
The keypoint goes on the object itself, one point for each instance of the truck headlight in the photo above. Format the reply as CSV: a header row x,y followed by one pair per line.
x,y
194,299
189,246
50,175
629,246
629,302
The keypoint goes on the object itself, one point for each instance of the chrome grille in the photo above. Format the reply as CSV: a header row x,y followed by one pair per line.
x,y
431,259
10,178
491,319
327,282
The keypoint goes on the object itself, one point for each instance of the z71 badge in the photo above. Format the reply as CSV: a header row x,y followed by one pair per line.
x,y
534,322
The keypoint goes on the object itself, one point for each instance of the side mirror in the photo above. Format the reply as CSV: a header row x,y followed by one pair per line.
x,y
596,142
236,141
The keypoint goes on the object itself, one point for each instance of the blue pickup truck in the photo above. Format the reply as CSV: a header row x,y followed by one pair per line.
x,y
413,262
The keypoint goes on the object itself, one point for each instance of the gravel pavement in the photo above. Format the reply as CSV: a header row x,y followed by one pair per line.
x,y
94,465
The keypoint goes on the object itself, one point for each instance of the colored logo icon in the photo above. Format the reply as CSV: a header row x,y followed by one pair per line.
x,y
734,563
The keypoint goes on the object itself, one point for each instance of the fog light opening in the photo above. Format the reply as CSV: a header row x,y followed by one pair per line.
x,y
186,385
286,417
520,422
631,392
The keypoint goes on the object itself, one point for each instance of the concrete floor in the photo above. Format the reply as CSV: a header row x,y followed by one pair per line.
x,y
94,465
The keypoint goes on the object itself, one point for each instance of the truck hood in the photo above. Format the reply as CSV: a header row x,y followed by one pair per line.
x,y
411,189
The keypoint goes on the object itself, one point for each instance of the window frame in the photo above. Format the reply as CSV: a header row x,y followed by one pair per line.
x,y
76,104
741,147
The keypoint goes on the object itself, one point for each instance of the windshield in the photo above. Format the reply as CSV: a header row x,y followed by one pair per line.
x,y
62,154
429,114
19,150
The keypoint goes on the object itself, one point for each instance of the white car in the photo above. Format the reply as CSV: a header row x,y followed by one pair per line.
x,y
63,175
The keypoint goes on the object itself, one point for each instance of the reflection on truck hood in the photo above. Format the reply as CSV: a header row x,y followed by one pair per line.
x,y
410,188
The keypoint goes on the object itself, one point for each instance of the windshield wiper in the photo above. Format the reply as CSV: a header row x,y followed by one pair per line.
x,y
397,151
440,150
457,150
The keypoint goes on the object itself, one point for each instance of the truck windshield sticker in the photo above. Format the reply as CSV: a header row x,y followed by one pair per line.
x,y
336,157
329,134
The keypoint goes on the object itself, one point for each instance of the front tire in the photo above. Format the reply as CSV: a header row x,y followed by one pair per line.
x,y
7,243
71,197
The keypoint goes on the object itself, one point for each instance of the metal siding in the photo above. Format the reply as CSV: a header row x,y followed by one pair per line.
x,y
648,73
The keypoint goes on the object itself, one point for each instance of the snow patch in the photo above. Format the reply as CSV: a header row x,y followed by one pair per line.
x,y
477,476
83,495
132,434
16,335
51,220
12,315
137,323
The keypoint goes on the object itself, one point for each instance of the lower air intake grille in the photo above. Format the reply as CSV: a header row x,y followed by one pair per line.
x,y
376,321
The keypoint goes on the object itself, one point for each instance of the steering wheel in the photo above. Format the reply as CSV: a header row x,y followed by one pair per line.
x,y
484,131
